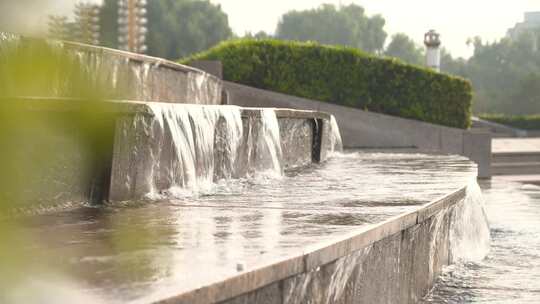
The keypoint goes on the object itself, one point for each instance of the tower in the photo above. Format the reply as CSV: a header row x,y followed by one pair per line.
x,y
433,52
87,23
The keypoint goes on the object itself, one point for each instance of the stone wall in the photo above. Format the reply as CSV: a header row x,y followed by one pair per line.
x,y
61,150
396,261
139,145
396,269
144,78
117,75
106,151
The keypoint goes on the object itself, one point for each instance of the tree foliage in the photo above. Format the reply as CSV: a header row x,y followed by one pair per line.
x,y
176,28
505,74
108,18
181,27
328,24
406,49
258,35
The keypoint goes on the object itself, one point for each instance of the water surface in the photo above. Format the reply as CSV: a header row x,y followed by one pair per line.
x,y
142,251
511,271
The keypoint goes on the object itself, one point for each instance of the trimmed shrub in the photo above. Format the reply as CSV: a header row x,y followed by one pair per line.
x,y
345,76
525,122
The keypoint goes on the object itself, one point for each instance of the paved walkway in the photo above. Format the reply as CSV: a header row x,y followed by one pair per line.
x,y
518,158
515,145
525,179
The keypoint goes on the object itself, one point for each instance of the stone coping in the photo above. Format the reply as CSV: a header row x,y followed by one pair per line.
x,y
314,256
125,107
129,55
287,113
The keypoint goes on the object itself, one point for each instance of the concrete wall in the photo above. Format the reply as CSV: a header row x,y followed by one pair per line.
x,y
144,78
396,261
137,143
361,129
210,66
396,269
60,150
128,76
90,154
496,129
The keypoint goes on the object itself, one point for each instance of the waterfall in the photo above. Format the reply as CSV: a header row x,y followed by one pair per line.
x,y
191,147
469,232
269,150
202,88
336,144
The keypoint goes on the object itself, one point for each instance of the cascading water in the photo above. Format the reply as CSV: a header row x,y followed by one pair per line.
x,y
336,143
469,239
270,155
201,88
469,230
192,147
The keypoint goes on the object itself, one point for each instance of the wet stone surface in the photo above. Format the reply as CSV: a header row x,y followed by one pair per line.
x,y
150,250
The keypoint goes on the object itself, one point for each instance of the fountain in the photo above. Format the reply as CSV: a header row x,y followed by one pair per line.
x,y
183,200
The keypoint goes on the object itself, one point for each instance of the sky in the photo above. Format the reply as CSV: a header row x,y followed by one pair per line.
x,y
455,20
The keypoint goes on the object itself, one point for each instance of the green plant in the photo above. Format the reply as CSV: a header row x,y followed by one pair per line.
x,y
525,122
345,76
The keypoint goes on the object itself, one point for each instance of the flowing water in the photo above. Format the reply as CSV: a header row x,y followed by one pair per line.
x,y
336,143
511,271
140,251
188,150
469,238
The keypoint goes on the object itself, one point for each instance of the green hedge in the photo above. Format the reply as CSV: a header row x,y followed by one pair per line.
x,y
525,122
345,76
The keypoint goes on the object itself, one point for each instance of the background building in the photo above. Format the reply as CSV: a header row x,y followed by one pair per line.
x,y
532,21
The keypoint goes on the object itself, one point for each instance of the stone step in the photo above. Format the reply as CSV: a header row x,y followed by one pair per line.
x,y
516,168
515,157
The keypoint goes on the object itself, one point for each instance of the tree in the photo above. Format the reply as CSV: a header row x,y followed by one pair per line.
x,y
346,25
449,65
404,48
176,28
505,74
108,19
258,35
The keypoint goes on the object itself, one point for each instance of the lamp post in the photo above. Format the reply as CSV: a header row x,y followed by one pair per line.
x,y
433,53
87,23
132,25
